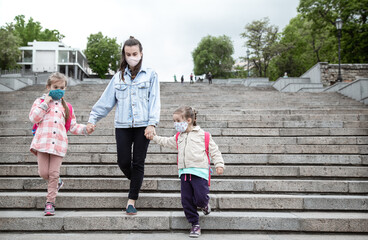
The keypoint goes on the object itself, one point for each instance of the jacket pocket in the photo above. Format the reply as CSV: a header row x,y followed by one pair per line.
x,y
121,91
143,90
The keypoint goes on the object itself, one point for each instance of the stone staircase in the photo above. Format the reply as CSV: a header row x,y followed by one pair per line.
x,y
295,163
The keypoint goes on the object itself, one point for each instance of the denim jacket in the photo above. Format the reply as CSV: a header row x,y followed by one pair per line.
x,y
137,101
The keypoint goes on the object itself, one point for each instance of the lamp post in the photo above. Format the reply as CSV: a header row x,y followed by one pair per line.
x,y
248,52
339,27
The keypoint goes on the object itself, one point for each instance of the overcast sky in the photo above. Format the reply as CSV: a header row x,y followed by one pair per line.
x,y
169,30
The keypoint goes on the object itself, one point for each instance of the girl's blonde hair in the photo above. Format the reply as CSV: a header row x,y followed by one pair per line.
x,y
188,112
55,77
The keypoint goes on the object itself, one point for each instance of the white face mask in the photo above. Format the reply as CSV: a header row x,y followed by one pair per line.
x,y
181,126
133,61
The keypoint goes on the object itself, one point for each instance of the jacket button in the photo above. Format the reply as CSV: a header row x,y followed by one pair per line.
x,y
56,111
53,142
56,103
54,132
55,122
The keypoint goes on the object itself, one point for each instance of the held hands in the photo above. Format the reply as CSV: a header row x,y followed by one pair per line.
x,y
90,128
219,170
150,132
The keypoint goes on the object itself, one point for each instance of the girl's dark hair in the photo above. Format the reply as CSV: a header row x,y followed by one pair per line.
x,y
55,77
123,64
188,112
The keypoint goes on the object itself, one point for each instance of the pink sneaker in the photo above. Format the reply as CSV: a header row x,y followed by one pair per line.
x,y
60,184
49,209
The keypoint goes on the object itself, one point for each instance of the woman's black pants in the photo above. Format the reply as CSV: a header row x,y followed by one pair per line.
x,y
132,165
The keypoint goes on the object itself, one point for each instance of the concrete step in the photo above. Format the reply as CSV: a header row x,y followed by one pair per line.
x,y
246,132
224,148
172,201
230,159
252,96
171,170
203,107
259,117
23,122
79,100
248,141
162,184
228,108
226,132
67,221
182,235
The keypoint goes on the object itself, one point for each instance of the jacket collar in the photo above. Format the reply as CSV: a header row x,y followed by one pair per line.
x,y
196,128
127,71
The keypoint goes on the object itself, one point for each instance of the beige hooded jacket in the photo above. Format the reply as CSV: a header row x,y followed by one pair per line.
x,y
191,149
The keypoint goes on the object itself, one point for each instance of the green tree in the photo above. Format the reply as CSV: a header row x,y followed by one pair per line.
x,y
313,36
263,42
32,30
213,54
306,47
103,54
354,13
9,49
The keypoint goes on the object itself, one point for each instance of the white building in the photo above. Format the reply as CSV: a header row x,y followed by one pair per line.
x,y
40,57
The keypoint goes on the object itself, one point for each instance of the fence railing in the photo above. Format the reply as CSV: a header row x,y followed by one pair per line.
x,y
15,71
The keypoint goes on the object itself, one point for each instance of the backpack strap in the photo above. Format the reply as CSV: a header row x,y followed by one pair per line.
x,y
177,147
69,121
35,126
207,143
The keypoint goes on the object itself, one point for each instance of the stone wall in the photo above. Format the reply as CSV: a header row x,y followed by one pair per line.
x,y
349,72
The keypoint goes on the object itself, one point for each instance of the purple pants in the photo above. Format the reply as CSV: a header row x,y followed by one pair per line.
x,y
194,194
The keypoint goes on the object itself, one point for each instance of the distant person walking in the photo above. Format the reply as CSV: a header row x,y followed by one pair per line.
x,y
209,78
182,79
191,78
135,91
175,78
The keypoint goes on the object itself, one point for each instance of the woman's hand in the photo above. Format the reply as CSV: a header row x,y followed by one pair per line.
x,y
219,170
150,132
90,128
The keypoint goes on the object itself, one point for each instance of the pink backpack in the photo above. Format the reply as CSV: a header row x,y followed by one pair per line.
x,y
67,124
206,144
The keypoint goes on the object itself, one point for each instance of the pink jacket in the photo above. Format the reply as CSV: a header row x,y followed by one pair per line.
x,y
51,136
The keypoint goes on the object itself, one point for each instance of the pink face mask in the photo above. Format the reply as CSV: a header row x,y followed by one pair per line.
x,y
133,61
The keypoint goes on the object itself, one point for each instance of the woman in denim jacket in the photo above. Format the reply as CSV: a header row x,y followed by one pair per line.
x,y
135,91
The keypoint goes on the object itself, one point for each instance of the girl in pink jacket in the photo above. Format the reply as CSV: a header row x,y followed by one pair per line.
x,y
53,116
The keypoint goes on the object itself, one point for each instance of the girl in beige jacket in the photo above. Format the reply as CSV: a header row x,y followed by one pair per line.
x,y
193,163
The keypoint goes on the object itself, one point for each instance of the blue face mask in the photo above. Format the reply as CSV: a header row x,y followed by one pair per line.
x,y
56,94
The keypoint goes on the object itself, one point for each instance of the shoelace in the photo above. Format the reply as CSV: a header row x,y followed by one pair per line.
x,y
195,228
48,206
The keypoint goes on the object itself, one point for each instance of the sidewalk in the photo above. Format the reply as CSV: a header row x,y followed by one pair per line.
x,y
179,236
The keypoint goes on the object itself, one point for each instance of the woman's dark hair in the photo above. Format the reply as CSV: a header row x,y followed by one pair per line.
x,y
123,64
